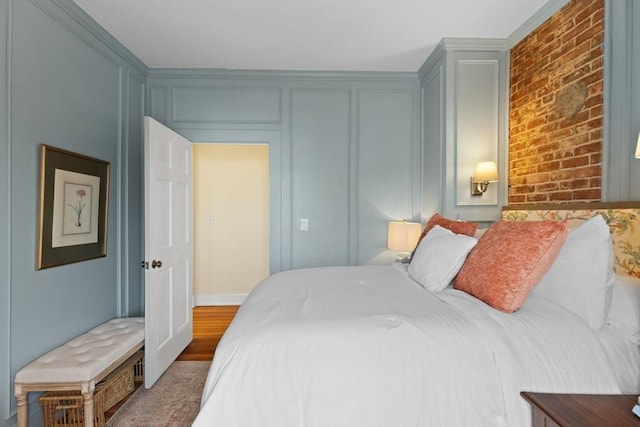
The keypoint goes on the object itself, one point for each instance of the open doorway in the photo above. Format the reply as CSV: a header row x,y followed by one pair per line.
x,y
230,221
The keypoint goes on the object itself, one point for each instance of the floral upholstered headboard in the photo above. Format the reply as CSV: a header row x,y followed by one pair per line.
x,y
623,219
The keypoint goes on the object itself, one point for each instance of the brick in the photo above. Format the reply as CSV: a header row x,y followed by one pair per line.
x,y
549,153
515,200
546,188
547,148
560,195
560,175
578,183
594,147
538,197
537,178
588,171
590,194
549,166
522,189
515,181
575,161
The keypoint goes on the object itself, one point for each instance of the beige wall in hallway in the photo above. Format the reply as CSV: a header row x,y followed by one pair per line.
x,y
231,218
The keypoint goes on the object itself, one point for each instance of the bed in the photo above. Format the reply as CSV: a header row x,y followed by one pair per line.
x,y
424,345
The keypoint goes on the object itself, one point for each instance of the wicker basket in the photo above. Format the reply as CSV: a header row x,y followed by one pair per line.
x,y
120,383
66,409
138,370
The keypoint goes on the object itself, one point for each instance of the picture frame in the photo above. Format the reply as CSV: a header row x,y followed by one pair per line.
x,y
73,207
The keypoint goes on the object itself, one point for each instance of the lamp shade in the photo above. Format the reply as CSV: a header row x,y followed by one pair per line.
x,y
486,171
638,147
403,236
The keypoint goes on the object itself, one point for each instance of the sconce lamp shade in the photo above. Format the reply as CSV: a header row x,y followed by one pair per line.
x,y
486,172
403,236
638,147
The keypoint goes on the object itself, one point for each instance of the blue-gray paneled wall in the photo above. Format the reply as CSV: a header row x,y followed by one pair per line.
x,y
620,171
320,125
66,83
345,151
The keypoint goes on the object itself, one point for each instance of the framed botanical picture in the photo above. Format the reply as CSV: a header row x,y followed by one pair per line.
x,y
73,207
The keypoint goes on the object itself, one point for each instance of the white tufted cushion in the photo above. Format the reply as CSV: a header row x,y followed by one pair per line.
x,y
86,356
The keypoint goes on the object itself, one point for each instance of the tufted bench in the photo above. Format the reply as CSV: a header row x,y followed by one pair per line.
x,y
80,364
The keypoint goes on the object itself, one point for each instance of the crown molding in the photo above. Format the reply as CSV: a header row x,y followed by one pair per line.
x,y
208,73
537,19
87,23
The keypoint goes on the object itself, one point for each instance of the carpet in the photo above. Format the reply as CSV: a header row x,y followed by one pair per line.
x,y
173,401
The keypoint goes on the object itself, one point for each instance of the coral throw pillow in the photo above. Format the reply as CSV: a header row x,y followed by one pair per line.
x,y
457,227
509,260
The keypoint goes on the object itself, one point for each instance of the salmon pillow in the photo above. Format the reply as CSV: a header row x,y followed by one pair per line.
x,y
509,260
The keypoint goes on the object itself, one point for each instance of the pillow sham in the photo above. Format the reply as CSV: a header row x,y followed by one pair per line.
x,y
581,277
508,261
439,257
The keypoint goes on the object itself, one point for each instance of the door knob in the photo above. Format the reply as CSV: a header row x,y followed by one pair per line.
x,y
156,264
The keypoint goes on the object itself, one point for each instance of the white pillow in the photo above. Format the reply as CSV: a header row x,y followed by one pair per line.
x,y
624,311
439,257
581,277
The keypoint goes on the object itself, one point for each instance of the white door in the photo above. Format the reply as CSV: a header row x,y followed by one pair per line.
x,y
167,247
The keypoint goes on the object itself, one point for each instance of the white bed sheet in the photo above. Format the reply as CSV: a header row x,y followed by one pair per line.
x,y
367,346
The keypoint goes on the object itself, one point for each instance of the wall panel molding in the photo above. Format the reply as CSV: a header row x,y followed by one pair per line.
x,y
386,157
621,106
158,103
477,126
320,125
219,104
5,208
131,107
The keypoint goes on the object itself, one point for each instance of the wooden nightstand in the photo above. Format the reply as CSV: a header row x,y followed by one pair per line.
x,y
582,410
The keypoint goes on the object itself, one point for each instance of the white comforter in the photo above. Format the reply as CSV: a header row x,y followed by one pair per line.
x,y
367,346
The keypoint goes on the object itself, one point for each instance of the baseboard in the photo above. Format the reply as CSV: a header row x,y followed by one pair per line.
x,y
219,299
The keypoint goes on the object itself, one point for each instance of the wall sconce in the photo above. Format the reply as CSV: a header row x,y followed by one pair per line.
x,y
402,236
485,173
638,147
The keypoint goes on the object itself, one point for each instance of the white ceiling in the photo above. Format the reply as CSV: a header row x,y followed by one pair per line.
x,y
334,35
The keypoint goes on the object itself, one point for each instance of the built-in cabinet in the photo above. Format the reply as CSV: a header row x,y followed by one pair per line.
x,y
464,121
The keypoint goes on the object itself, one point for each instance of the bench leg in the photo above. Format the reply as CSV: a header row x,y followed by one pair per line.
x,y
88,408
21,407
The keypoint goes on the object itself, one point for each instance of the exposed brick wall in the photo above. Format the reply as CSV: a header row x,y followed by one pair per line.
x,y
555,123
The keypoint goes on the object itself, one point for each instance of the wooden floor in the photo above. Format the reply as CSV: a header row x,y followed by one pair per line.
x,y
209,323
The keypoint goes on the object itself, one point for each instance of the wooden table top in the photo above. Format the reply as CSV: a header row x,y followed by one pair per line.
x,y
586,410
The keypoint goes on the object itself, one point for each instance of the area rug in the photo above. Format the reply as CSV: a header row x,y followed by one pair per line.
x,y
173,401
